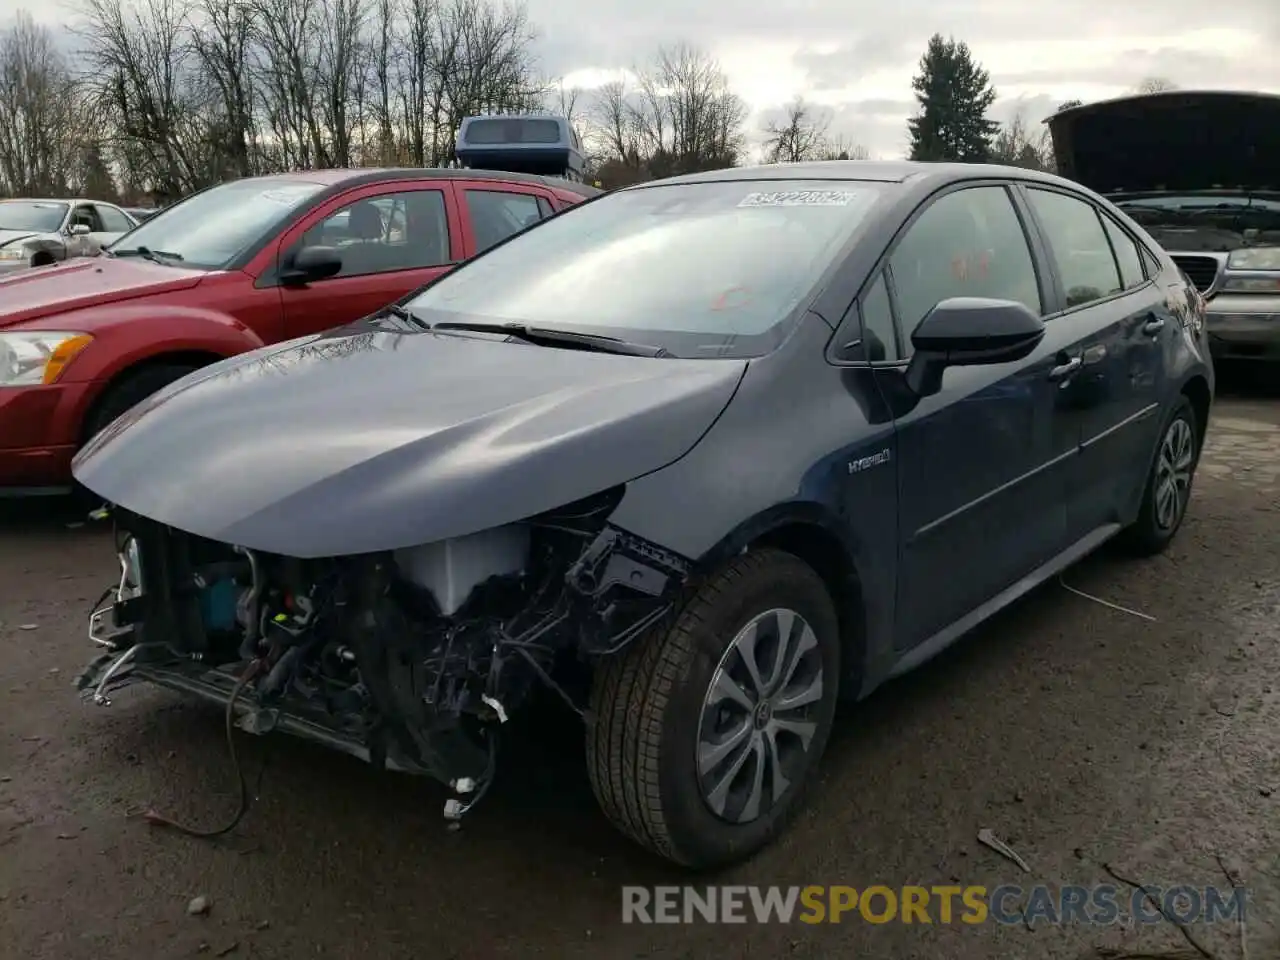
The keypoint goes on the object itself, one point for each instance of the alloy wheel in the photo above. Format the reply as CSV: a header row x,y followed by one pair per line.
x,y
1173,474
757,720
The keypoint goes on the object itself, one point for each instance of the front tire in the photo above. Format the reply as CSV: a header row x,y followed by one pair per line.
x,y
1167,490
706,730
117,401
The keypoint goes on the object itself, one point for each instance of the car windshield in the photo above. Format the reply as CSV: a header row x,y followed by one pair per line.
x,y
31,215
209,229
702,269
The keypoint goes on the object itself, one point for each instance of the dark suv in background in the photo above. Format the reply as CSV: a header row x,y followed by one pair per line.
x,y
1200,170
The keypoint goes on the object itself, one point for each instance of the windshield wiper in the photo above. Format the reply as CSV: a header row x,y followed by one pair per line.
x,y
403,313
155,256
543,335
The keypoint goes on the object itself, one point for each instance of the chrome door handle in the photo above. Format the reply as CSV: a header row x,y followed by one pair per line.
x,y
1152,327
1065,370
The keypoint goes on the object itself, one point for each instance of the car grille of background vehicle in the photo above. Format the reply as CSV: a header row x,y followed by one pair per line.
x,y
1202,271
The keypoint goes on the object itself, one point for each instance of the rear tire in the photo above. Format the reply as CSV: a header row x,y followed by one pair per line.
x,y
678,710
1167,490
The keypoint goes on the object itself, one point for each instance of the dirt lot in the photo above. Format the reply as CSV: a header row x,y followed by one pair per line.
x,y
1080,734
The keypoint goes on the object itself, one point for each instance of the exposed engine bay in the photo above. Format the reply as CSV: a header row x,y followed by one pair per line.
x,y
1208,223
411,659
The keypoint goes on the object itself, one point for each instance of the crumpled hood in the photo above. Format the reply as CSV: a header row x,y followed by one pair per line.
x,y
1182,140
368,439
85,282
15,236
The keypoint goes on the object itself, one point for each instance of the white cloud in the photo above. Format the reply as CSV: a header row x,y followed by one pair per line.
x,y
858,60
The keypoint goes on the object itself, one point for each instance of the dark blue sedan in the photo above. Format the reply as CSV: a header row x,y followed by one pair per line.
x,y
700,456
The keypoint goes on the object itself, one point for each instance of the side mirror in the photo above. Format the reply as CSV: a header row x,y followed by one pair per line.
x,y
80,230
312,263
970,331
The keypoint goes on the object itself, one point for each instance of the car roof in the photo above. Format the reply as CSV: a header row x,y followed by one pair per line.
x,y
71,200
366,175
873,171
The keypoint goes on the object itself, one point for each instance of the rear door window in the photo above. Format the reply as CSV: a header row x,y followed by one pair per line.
x,y
1128,255
113,220
1079,246
497,214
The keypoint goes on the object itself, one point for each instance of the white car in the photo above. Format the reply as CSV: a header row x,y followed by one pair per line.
x,y
34,233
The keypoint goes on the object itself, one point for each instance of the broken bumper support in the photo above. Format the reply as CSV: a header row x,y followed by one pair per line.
x,y
113,671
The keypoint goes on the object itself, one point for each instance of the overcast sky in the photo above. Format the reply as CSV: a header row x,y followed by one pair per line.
x,y
859,64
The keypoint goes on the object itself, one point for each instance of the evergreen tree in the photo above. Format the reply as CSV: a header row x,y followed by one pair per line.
x,y
96,182
954,94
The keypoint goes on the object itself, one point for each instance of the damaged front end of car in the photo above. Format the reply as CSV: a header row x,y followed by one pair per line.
x,y
409,659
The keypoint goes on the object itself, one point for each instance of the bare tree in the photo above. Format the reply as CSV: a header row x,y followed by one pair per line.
x,y
186,93
565,101
1155,85
800,135
842,148
678,116
460,58
287,71
381,71
339,77
140,59
1016,145
222,39
40,119
611,117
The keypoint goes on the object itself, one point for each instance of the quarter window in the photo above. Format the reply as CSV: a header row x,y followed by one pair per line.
x,y
497,214
1079,246
879,339
969,243
1128,256
396,231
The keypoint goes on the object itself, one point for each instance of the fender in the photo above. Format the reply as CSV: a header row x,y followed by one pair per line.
x,y
128,334
867,627
805,513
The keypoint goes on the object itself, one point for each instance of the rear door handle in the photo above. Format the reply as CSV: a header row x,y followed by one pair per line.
x,y
1152,327
1065,370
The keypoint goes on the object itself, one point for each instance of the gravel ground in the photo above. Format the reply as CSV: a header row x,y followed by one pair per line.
x,y
1080,734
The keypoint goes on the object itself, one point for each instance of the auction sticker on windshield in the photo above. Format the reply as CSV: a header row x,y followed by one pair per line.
x,y
799,198
289,194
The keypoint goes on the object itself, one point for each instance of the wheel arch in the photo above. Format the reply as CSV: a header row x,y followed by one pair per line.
x,y
172,358
1196,389
813,534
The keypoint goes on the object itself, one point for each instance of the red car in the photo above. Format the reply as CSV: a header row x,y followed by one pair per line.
x,y
230,269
